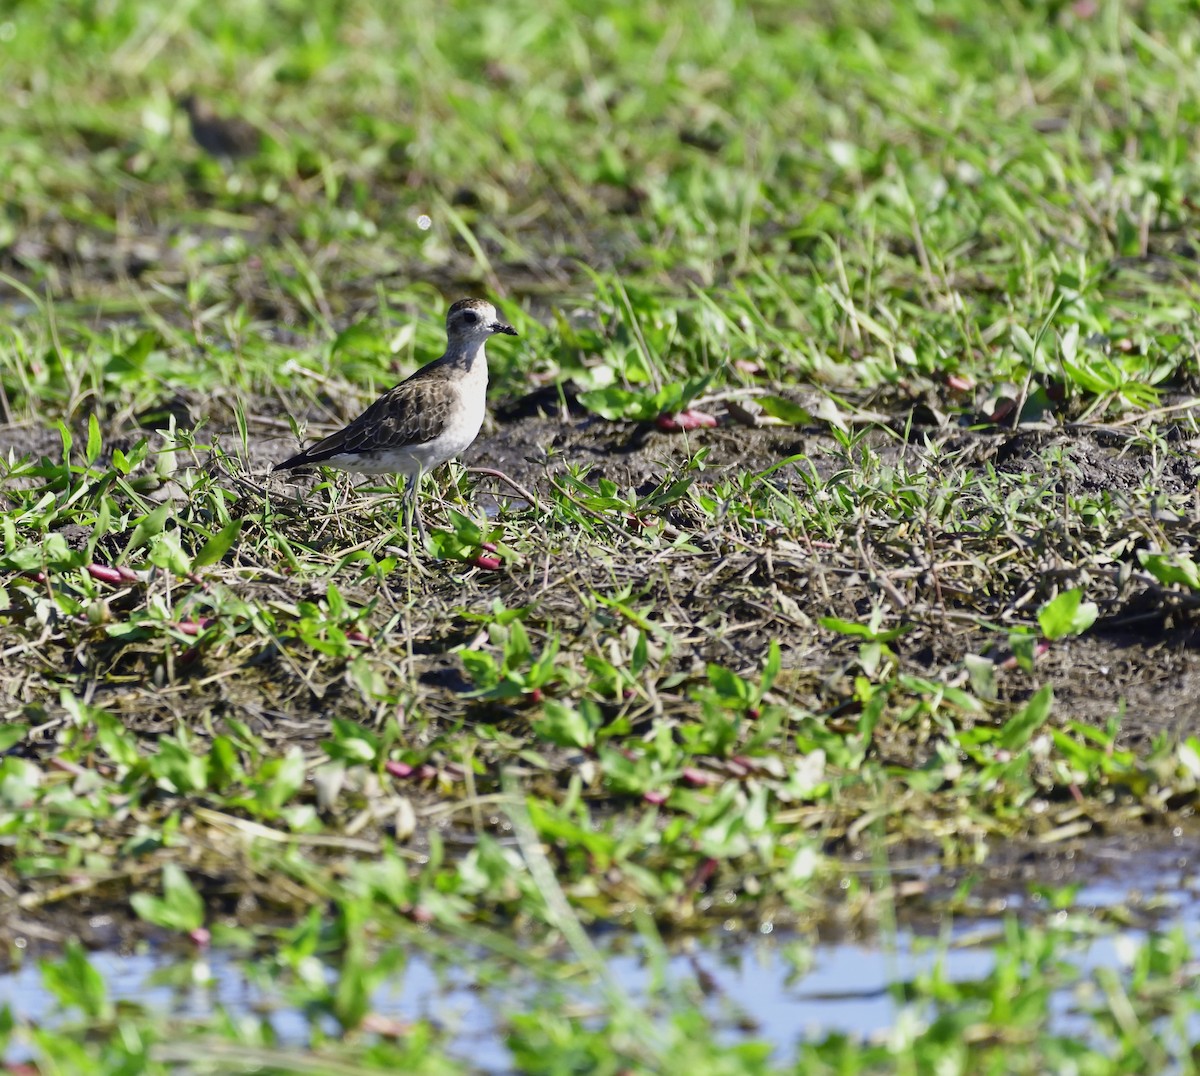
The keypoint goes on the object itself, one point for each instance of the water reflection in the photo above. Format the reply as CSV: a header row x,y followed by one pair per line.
x,y
779,989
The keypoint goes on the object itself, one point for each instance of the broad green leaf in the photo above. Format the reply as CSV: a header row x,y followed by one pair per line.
x,y
466,530
563,725
361,336
616,403
1067,614
728,685
148,526
76,983
168,554
1019,729
517,651
786,411
218,545
11,735
850,627
180,907
93,439
280,779
481,668
117,741
178,768
1189,757
1171,568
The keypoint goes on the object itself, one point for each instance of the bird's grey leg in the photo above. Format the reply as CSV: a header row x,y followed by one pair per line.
x,y
416,505
412,508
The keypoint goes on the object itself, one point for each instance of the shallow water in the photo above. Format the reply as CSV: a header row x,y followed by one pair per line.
x,y
777,988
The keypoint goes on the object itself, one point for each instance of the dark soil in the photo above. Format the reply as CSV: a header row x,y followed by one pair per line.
x,y
1140,655
730,598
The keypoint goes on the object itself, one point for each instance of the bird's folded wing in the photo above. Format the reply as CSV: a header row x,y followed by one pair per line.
x,y
412,413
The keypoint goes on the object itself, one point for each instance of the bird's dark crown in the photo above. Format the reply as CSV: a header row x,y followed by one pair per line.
x,y
468,304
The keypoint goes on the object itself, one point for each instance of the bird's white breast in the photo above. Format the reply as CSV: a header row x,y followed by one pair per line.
x,y
463,422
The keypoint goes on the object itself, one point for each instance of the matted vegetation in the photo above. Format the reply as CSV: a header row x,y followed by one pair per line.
x,y
843,575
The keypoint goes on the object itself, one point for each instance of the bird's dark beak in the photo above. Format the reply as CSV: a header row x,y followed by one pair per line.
x,y
500,327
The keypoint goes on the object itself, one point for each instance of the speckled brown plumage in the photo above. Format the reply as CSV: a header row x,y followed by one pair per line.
x,y
428,418
412,413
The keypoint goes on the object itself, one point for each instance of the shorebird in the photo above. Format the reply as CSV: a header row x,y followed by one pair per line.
x,y
427,419
225,137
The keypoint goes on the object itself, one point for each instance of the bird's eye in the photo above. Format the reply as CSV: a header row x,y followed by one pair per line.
x,y
470,317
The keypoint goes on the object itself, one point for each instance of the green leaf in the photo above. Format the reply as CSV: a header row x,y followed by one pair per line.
x,y
730,688
118,742
224,763
1024,647
1129,235
850,627
1171,568
180,907
132,360
239,417
616,403
772,667
786,411
360,336
93,439
1189,757
1019,729
640,655
351,742
517,650
1067,614
58,553
218,545
563,725
52,552
26,559
280,779
148,526
100,530
67,439
466,530
481,668
352,997
168,554
179,769
76,983
11,735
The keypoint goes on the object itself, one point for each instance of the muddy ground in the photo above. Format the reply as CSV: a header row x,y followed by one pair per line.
x,y
1141,651
725,602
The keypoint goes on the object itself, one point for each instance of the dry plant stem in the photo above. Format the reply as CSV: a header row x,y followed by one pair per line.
x,y
512,483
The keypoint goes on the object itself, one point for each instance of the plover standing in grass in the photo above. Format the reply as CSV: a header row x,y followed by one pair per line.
x,y
427,419
225,137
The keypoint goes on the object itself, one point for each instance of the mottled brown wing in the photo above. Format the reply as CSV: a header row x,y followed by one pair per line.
x,y
412,413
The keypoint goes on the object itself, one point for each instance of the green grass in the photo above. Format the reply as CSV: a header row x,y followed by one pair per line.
x,y
946,252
